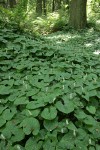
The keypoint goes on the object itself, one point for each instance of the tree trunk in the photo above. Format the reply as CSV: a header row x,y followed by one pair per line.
x,y
2,3
78,18
44,7
39,7
53,5
65,2
12,3
57,4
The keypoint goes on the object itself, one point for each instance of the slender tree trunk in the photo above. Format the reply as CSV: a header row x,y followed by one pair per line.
x,y
39,7
57,4
11,3
2,3
44,7
53,5
78,18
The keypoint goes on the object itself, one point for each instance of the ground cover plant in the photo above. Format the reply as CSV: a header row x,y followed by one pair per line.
x,y
49,91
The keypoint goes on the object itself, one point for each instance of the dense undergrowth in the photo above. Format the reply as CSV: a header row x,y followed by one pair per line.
x,y
28,21
49,91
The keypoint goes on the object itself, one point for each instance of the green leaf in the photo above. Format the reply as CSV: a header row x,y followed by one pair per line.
x,y
91,109
35,104
16,147
50,124
2,109
80,145
5,90
21,101
33,113
12,129
48,145
49,113
91,148
97,147
81,134
67,141
66,108
7,114
32,92
31,144
92,93
18,135
89,120
80,114
30,125
2,121
7,133
71,126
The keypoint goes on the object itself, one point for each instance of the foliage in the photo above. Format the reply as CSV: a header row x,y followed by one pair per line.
x,y
49,91
27,21
94,14
23,16
53,22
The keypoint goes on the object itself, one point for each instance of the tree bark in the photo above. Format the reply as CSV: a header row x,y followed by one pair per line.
x,y
53,5
44,7
57,4
78,18
12,3
39,7
2,3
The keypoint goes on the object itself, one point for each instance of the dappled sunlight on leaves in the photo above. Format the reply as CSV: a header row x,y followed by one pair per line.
x,y
49,91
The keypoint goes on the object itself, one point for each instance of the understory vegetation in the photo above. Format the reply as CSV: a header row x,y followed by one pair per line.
x,y
49,90
49,75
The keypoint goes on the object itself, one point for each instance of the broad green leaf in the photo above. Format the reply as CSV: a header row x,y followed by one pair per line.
x,y
50,124
31,144
35,104
18,135
12,129
48,145
33,113
97,147
6,133
92,93
49,113
81,134
30,125
82,143
2,108
5,90
89,120
32,92
8,114
66,108
91,148
67,141
80,114
91,109
21,101
2,121
16,147
71,126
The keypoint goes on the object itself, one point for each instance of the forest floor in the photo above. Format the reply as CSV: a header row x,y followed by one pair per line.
x,y
43,80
